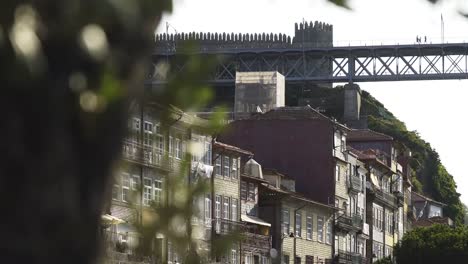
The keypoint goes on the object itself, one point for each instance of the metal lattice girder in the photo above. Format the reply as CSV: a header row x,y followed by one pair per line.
x,y
341,64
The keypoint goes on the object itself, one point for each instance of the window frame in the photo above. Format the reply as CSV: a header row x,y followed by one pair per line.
x,y
251,195
157,191
309,227
298,222
243,190
226,168
125,187
320,228
226,208
329,233
234,209
286,221
146,200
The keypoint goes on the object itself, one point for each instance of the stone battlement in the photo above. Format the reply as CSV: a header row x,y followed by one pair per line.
x,y
306,34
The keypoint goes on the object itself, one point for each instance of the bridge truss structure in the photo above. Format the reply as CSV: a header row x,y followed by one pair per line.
x,y
350,64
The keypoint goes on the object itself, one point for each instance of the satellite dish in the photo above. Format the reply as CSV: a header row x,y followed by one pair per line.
x,y
273,253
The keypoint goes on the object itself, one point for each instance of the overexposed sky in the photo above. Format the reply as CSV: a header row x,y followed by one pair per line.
x,y
436,109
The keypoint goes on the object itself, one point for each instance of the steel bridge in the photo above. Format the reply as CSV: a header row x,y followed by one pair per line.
x,y
350,64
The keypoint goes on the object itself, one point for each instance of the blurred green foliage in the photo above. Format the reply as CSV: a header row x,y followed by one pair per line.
x,y
434,244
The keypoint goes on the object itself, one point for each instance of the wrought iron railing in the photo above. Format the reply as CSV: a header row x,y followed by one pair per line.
x,y
256,241
357,221
385,197
147,155
355,183
121,248
225,226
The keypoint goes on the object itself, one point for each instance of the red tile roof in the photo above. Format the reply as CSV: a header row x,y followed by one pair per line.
x,y
225,146
367,135
294,113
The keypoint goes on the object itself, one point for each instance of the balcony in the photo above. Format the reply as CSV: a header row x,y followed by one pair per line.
x,y
346,223
121,248
350,258
386,198
225,226
253,241
146,155
400,197
355,184
357,221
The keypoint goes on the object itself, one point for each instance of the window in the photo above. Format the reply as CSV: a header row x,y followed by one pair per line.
x,y
115,192
298,229
157,190
337,203
135,182
171,146
233,256
309,259
389,218
159,137
125,187
378,218
234,209
218,206
243,191
136,123
178,148
308,228
207,158
329,232
234,168
208,210
218,165
297,260
377,249
226,166
148,133
147,191
218,212
320,223
388,251
337,173
251,192
286,221
343,143
249,258
286,259
226,208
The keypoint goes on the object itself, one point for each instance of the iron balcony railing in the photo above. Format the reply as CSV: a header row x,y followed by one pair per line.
x,y
146,155
253,241
387,198
225,226
350,258
121,248
357,221
355,184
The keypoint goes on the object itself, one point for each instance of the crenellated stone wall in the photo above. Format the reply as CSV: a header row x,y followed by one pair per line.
x,y
308,34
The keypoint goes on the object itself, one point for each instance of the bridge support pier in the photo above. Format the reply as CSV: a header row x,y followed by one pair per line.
x,y
352,106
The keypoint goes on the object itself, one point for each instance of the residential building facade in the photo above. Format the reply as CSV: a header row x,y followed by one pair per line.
x,y
302,229
303,143
384,190
151,153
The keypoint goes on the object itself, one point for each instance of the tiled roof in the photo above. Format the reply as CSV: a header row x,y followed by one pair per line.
x,y
366,135
421,198
298,196
294,113
225,146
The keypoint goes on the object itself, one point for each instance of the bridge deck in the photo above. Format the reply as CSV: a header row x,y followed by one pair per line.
x,y
336,64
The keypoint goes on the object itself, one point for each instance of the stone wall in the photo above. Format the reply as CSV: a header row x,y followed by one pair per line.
x,y
308,34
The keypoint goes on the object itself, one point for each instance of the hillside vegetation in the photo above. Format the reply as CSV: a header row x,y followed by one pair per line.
x,y
429,175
